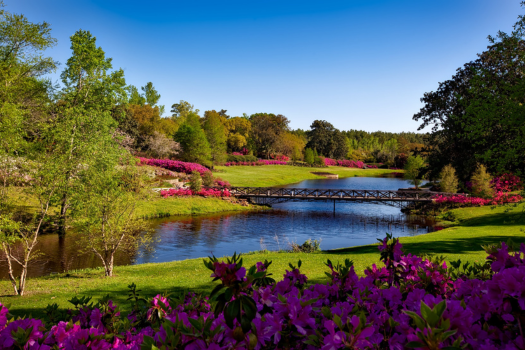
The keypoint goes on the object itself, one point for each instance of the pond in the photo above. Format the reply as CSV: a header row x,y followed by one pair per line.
x,y
223,234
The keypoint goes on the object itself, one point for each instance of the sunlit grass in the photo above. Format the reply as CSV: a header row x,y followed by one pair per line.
x,y
278,175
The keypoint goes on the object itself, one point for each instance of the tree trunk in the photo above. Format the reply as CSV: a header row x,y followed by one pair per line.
x,y
22,283
108,266
12,278
62,218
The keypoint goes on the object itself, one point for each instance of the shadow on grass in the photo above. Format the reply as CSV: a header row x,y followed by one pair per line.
x,y
118,295
497,219
450,245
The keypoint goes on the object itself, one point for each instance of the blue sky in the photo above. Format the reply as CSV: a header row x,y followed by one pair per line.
x,y
357,64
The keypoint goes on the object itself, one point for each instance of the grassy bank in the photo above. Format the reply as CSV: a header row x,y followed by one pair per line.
x,y
475,227
278,175
157,206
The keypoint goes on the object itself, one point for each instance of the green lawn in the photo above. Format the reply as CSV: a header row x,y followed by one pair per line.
x,y
475,227
157,206
278,175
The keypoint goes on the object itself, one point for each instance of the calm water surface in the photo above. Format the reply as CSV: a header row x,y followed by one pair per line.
x,y
223,234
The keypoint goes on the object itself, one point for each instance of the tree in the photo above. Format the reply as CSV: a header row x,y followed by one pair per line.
x,y
152,97
216,135
320,137
296,154
238,129
327,140
448,179
181,110
134,96
83,127
24,96
288,142
106,215
481,182
160,146
479,115
192,139
412,170
266,130
309,156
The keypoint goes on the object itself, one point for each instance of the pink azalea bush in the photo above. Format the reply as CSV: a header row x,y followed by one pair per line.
x,y
498,199
174,165
280,157
205,192
407,302
506,183
257,163
344,163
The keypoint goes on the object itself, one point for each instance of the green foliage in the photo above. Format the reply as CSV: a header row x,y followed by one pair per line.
x,y
329,141
308,246
216,135
477,116
193,142
481,182
266,130
412,170
448,180
296,154
84,125
195,181
309,156
246,158
207,179
433,328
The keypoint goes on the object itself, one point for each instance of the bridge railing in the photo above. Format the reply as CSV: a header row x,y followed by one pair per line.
x,y
385,195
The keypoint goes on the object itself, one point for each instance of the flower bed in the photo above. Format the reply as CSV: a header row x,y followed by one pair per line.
x,y
499,198
409,302
257,163
205,192
344,163
175,165
507,183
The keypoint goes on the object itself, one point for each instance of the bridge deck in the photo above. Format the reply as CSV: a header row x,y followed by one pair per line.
x,y
333,194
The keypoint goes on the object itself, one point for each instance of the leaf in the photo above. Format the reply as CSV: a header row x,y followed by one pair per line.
x,y
231,312
246,323
216,290
429,315
440,308
196,324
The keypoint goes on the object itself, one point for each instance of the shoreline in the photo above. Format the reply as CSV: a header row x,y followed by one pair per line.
x,y
475,226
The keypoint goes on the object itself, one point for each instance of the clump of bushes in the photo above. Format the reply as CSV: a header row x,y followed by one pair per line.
x,y
309,246
195,181
240,158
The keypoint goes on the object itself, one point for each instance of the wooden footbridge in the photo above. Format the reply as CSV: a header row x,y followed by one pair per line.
x,y
273,195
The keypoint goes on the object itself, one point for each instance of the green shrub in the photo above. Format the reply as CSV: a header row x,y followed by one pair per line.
x,y
307,247
448,180
195,181
481,183
207,179
309,156
246,158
